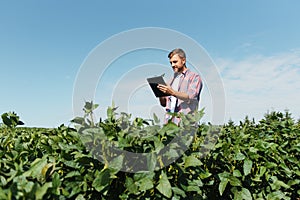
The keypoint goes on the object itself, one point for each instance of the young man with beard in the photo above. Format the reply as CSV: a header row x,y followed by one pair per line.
x,y
183,89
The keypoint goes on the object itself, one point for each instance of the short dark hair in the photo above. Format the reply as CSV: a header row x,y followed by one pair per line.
x,y
177,51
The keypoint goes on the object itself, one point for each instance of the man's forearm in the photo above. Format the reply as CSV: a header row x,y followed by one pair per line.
x,y
180,95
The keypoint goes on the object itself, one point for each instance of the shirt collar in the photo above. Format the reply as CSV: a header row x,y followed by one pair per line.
x,y
185,71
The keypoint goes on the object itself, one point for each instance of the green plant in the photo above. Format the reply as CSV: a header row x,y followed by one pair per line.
x,y
235,161
11,119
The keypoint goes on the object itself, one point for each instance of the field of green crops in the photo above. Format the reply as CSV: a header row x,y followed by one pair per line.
x,y
249,160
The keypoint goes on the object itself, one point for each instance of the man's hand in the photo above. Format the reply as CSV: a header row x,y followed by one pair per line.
x,y
166,89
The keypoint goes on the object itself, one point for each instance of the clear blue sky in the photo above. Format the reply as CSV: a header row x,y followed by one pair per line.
x,y
255,45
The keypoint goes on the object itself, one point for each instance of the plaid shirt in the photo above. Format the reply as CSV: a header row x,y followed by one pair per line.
x,y
191,84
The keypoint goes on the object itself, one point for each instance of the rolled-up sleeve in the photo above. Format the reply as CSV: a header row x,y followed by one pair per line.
x,y
194,87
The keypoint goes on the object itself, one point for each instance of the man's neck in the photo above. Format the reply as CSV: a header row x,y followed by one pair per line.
x,y
183,70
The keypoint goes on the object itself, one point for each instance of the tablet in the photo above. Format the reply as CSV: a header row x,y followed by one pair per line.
x,y
153,82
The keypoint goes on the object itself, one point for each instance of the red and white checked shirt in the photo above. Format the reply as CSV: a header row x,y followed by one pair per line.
x,y
191,84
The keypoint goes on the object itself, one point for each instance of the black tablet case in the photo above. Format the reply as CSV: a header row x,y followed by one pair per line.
x,y
153,82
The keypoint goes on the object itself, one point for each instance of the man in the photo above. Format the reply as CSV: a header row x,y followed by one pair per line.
x,y
183,89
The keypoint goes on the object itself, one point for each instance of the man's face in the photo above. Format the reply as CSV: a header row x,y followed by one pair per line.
x,y
177,63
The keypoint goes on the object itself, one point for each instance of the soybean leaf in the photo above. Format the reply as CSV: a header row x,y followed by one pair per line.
x,y
222,186
244,194
145,184
247,166
178,191
191,161
234,181
116,164
102,180
277,195
237,173
239,156
151,161
41,191
164,186
131,186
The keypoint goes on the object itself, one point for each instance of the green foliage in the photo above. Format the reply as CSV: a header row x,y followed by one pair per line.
x,y
245,161
259,159
11,119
